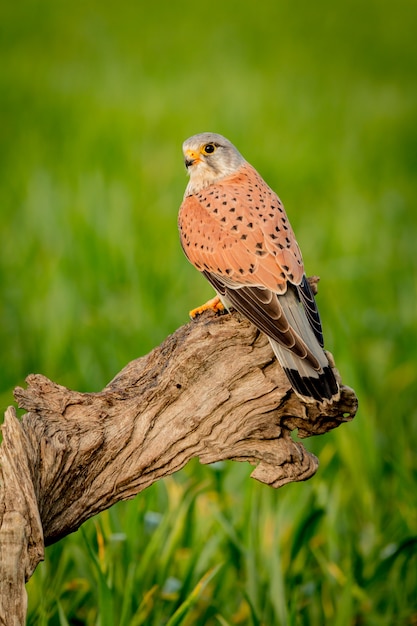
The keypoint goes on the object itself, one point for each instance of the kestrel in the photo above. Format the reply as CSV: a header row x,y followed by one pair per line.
x,y
235,231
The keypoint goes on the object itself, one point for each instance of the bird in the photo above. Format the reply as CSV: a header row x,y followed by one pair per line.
x,y
234,229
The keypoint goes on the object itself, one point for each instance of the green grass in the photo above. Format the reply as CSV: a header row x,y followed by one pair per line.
x,y
95,101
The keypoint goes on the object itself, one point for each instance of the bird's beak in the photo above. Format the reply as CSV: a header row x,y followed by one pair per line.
x,y
191,157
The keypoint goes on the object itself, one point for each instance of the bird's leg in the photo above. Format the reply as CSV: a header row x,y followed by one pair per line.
x,y
214,304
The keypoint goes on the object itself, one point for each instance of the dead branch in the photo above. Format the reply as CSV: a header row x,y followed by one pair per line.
x,y
212,390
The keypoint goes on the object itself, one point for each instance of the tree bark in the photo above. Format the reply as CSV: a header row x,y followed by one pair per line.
x,y
212,390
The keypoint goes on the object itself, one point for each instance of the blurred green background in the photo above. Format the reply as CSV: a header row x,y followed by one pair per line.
x,y
321,97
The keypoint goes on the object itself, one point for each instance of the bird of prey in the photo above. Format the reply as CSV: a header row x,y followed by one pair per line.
x,y
234,230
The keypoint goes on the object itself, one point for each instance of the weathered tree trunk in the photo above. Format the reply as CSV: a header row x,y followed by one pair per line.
x,y
212,390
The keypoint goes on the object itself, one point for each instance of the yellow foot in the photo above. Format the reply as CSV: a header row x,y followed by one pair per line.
x,y
214,304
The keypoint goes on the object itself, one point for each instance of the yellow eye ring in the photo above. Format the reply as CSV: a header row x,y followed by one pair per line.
x,y
209,148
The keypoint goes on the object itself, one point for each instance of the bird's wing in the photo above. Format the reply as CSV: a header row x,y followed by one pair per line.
x,y
234,250
239,230
310,307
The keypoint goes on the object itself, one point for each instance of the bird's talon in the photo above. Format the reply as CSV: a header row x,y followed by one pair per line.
x,y
214,304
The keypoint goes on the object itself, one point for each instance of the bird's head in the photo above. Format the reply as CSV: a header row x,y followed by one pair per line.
x,y
209,157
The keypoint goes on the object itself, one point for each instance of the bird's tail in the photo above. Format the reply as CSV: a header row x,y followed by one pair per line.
x,y
308,382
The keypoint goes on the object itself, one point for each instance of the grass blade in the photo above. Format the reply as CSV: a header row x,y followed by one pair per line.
x,y
182,610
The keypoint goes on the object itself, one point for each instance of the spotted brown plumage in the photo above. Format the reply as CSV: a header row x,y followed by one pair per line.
x,y
234,229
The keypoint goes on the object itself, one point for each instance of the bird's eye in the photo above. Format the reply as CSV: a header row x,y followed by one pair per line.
x,y
209,148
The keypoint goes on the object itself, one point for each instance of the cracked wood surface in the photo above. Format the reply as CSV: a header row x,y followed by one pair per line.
x,y
212,390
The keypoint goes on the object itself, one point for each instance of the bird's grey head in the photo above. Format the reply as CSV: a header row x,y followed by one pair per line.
x,y
209,157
